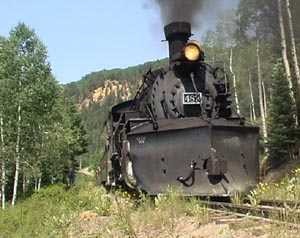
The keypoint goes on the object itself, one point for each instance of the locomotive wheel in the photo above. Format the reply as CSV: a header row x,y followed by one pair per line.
x,y
126,166
127,171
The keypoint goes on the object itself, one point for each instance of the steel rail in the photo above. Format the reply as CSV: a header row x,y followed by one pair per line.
x,y
276,203
270,214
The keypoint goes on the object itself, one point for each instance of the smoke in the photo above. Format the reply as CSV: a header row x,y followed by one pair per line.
x,y
202,14
179,10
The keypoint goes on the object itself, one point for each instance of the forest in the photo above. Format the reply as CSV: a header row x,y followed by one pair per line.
x,y
42,135
40,130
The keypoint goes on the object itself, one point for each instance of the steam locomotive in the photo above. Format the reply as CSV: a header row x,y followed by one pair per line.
x,y
180,130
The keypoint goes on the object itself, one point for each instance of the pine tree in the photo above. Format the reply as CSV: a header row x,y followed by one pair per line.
x,y
282,134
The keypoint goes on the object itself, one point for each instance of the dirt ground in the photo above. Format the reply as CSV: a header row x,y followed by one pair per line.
x,y
89,224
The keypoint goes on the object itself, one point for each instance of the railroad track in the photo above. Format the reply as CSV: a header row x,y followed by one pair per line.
x,y
276,203
270,211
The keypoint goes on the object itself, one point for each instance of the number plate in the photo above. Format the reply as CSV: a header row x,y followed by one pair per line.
x,y
191,98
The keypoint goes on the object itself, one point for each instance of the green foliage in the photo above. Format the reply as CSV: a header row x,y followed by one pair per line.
x,y
282,132
198,210
258,20
50,211
31,219
86,210
133,75
286,189
217,45
40,127
89,197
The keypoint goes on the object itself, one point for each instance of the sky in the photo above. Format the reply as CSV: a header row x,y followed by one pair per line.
x,y
85,36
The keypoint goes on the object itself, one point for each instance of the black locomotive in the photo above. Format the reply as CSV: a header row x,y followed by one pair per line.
x,y
179,131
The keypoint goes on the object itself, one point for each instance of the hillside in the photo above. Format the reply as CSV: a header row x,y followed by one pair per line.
x,y
82,89
97,92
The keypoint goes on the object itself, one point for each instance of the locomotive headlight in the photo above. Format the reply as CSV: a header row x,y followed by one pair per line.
x,y
192,50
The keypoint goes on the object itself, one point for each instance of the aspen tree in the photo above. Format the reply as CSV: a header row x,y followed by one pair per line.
x,y
3,164
252,106
260,93
293,44
284,56
236,99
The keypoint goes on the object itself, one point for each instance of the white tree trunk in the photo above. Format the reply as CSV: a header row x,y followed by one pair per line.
x,y
264,97
284,56
260,92
252,106
236,99
293,44
17,166
39,183
24,181
3,165
35,184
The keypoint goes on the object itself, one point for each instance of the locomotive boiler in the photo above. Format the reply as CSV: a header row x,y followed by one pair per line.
x,y
180,131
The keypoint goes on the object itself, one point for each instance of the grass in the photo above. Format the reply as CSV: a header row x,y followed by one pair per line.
x,y
287,189
199,211
86,210
60,212
49,212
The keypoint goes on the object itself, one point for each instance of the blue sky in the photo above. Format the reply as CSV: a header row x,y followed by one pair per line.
x,y
87,36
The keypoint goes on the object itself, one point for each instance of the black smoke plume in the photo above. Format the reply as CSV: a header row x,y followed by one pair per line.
x,y
202,14
180,10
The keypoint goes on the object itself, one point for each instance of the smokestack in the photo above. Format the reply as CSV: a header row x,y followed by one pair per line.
x,y
177,34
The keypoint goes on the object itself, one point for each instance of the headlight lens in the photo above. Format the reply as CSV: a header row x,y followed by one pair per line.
x,y
192,50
